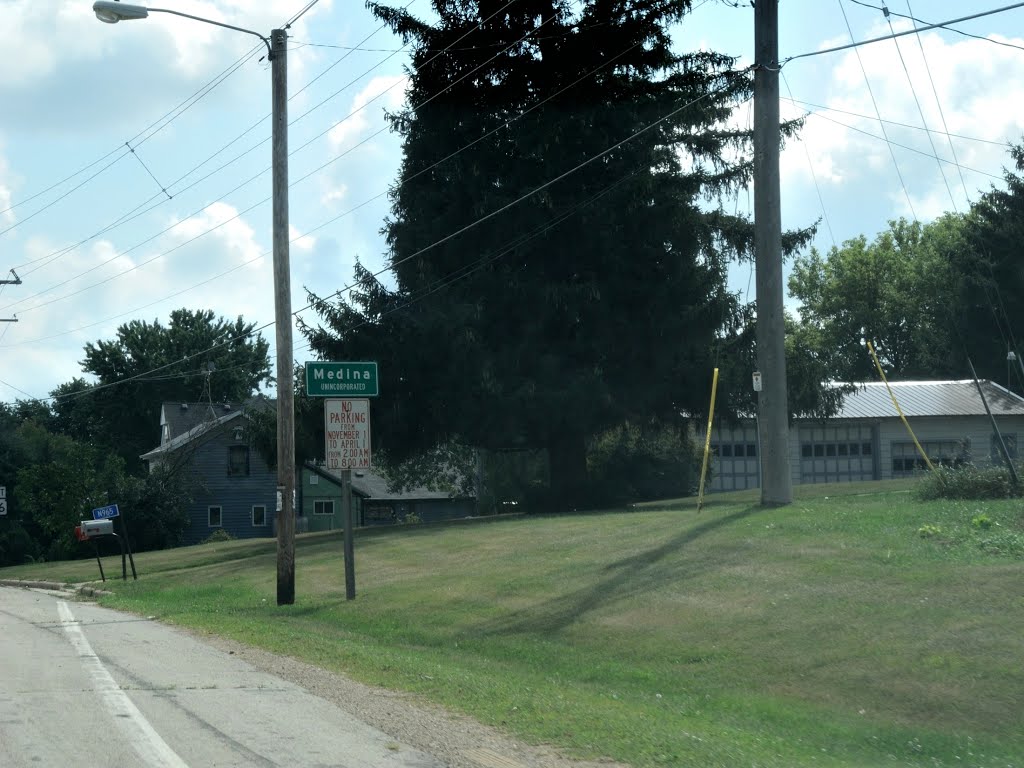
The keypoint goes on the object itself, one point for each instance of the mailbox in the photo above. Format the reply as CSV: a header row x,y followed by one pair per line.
x,y
92,528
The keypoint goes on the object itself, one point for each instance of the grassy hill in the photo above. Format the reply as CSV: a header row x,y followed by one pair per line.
x,y
857,626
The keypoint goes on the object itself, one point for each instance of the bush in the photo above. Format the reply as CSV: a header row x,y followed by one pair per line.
x,y
982,522
966,482
928,531
219,535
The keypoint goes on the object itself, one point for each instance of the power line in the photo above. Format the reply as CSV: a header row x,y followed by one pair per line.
x,y
894,122
814,176
143,136
901,146
480,220
253,178
944,25
137,212
292,184
607,63
874,103
920,111
938,103
901,34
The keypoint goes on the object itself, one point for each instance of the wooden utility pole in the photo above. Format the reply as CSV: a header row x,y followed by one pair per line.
x,y
772,402
283,320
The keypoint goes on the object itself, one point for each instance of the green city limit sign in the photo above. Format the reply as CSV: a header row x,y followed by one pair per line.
x,y
326,379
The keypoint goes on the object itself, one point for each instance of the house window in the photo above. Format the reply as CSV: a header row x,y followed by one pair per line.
x,y
238,460
259,515
213,517
314,480
238,434
906,459
323,507
165,433
751,450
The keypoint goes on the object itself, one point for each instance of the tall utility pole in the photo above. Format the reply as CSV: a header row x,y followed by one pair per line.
x,y
772,402
112,12
283,318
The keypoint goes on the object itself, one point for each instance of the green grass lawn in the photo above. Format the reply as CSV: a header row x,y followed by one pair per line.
x,y
828,632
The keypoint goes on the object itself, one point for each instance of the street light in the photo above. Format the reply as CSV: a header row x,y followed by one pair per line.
x,y
277,51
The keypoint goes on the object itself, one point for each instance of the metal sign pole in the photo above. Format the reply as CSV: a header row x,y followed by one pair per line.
x,y
346,512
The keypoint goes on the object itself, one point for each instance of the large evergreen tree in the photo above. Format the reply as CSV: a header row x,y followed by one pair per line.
x,y
595,292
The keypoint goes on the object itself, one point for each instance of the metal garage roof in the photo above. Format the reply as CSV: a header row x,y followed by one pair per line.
x,y
929,398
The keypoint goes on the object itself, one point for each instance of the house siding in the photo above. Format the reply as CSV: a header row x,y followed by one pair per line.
x,y
234,494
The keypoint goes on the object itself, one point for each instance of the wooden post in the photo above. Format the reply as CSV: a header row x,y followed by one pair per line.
x,y
283,322
772,401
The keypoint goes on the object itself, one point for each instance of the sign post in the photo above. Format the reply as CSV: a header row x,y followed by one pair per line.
x,y
346,433
109,513
347,447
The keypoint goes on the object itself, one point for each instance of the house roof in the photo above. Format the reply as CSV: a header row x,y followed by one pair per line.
x,y
188,436
183,417
187,421
871,400
370,485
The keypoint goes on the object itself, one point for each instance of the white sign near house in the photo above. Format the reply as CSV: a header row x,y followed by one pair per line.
x,y
347,433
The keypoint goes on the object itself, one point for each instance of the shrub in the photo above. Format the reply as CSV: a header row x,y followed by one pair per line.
x,y
982,521
966,482
219,535
929,531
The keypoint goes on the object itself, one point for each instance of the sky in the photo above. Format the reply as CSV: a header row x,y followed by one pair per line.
x,y
134,158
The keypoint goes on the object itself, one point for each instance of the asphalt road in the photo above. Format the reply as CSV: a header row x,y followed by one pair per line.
x,y
83,686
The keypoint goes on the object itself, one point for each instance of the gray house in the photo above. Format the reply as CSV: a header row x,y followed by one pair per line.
x,y
372,502
234,490
866,440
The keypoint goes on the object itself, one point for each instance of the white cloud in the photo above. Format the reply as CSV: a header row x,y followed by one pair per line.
x,y
367,110
301,242
221,222
980,87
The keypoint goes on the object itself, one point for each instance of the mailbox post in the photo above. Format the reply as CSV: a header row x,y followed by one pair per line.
x,y
93,530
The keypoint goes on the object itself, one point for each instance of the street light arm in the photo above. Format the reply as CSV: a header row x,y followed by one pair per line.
x,y
266,41
113,12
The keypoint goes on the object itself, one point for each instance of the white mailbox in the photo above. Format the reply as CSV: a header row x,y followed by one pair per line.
x,y
93,528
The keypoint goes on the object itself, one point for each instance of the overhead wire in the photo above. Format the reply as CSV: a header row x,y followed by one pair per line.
x,y
898,144
137,212
944,25
938,103
814,175
874,103
478,221
140,138
892,122
920,111
607,63
247,210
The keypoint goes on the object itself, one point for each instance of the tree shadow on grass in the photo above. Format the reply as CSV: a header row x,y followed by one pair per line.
x,y
629,576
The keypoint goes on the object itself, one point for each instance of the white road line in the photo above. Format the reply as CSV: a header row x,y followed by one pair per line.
x,y
143,738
